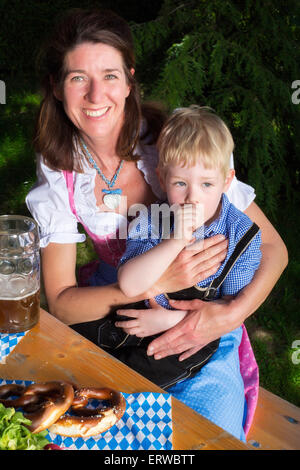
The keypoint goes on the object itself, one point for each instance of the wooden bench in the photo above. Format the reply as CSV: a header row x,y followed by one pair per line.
x,y
276,424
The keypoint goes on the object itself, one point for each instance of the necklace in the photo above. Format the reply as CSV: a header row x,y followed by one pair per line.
x,y
112,197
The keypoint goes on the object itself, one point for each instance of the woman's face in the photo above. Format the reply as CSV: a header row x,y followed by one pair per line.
x,y
94,90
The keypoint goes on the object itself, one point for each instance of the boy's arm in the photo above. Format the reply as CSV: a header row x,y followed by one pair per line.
x,y
138,274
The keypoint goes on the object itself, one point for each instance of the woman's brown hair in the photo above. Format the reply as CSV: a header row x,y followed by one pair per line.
x,y
56,136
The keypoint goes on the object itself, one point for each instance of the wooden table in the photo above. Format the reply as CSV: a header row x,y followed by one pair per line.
x,y
53,351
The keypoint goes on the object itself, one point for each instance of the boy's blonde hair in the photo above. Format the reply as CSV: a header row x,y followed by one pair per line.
x,y
195,134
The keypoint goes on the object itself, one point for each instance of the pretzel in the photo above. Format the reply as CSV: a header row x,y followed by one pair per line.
x,y
14,390
42,403
90,422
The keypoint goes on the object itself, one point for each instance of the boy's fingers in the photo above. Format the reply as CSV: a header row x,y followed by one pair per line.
x,y
126,324
127,313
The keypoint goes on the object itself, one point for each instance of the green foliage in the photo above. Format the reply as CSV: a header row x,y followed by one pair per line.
x,y
17,164
241,61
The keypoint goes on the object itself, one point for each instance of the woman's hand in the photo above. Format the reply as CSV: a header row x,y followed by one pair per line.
x,y
203,323
194,263
149,321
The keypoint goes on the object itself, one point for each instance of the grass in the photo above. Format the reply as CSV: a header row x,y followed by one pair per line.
x,y
274,329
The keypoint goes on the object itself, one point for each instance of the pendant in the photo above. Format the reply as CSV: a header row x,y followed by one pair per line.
x,y
112,201
112,198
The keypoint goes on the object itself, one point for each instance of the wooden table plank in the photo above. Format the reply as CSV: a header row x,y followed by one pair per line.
x,y
53,351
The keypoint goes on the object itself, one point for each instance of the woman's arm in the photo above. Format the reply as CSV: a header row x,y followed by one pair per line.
x,y
274,261
209,320
139,274
72,304
66,301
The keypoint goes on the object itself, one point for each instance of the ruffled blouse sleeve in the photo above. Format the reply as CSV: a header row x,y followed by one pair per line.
x,y
48,202
240,194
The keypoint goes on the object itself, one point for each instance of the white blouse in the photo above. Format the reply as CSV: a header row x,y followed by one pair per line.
x,y
48,200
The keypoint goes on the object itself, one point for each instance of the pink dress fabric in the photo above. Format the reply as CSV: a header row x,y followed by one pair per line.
x,y
110,249
250,375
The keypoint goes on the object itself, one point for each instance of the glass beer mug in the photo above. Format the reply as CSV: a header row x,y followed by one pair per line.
x,y
19,274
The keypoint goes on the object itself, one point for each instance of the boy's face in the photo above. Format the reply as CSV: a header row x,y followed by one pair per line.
x,y
196,185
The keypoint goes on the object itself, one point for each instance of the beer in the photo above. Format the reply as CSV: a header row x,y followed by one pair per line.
x,y
19,273
19,313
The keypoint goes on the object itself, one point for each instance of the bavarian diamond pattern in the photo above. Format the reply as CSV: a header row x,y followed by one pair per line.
x,y
7,344
145,425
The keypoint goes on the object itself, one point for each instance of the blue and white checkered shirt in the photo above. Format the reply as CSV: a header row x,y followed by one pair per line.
x,y
232,223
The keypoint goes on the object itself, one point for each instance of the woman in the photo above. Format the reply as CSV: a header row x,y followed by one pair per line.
x,y
97,158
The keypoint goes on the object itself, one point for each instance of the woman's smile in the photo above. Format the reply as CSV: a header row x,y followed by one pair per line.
x,y
96,113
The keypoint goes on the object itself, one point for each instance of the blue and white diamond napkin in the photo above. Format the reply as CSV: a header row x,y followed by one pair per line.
x,y
145,425
8,342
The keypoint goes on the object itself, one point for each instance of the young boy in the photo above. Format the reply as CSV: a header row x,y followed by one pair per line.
x,y
194,170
